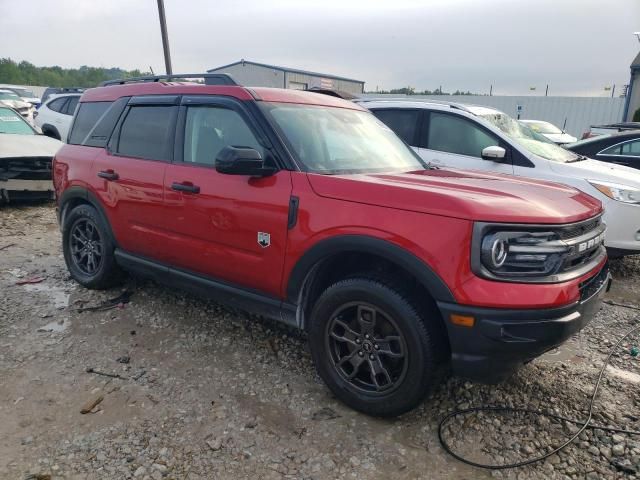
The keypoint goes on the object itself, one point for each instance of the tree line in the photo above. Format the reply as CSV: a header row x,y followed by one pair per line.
x,y
412,91
25,73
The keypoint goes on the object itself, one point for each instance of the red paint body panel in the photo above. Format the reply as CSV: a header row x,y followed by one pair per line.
x,y
216,231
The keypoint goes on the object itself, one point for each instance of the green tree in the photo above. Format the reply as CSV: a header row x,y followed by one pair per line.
x,y
25,73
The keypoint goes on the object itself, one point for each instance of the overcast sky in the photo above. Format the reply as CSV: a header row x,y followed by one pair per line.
x,y
577,46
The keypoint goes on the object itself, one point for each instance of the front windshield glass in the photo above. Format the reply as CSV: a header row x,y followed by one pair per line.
x,y
11,122
528,139
8,96
337,140
543,127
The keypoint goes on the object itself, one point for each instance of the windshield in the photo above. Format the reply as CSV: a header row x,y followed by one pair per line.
x,y
23,92
528,139
543,127
337,140
11,122
8,96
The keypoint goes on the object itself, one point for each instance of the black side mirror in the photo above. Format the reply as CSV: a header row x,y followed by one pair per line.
x,y
242,161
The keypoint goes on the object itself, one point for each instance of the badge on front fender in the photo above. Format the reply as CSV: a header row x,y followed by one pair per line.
x,y
264,239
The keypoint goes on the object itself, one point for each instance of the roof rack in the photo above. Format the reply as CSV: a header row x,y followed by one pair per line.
x,y
209,79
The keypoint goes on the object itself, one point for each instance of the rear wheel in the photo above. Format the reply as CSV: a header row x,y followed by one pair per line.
x,y
372,348
88,249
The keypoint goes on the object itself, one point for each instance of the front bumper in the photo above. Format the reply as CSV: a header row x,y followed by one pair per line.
x,y
501,340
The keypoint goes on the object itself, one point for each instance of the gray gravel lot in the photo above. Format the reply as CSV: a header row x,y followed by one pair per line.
x,y
207,392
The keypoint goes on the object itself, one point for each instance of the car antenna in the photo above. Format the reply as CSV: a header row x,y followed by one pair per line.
x,y
564,125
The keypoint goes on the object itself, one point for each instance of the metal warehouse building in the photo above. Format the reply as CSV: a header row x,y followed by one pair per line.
x,y
254,74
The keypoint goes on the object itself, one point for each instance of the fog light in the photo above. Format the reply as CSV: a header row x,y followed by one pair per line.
x,y
462,320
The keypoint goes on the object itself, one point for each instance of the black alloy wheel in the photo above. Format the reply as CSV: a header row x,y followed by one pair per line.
x,y
87,248
367,348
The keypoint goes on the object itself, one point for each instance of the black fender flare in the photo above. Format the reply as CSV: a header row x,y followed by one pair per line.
x,y
87,197
365,244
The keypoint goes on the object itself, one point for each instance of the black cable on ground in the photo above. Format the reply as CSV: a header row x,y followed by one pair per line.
x,y
585,424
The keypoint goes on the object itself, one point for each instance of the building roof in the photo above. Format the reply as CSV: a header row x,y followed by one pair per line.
x,y
285,69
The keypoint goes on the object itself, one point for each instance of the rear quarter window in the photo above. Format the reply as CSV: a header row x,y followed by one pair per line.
x,y
87,117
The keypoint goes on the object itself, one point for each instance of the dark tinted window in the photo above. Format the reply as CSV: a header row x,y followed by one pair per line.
x,y
87,117
146,132
209,129
57,104
402,122
71,105
453,134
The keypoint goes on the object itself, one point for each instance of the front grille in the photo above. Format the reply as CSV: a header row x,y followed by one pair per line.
x,y
589,287
28,168
576,229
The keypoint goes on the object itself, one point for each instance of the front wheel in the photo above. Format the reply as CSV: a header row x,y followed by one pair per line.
x,y
372,348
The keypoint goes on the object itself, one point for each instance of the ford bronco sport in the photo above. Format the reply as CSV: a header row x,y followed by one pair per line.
x,y
307,209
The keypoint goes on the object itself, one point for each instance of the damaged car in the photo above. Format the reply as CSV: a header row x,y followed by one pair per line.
x,y
25,159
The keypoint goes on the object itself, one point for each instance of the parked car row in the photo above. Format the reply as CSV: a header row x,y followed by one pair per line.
x,y
306,208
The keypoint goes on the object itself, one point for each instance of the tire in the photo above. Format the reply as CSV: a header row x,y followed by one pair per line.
x,y
336,350
102,272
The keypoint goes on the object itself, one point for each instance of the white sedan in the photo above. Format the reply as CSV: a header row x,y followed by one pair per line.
x,y
550,131
55,115
25,159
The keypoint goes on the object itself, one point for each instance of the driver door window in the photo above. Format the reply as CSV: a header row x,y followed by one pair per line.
x,y
209,129
449,140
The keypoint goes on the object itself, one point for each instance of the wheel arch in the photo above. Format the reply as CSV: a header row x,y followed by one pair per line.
x,y
74,196
345,255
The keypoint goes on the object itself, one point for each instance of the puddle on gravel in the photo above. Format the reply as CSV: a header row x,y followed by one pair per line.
x,y
57,294
56,327
623,374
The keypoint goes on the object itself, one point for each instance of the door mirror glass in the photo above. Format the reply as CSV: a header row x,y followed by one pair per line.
x,y
242,161
494,153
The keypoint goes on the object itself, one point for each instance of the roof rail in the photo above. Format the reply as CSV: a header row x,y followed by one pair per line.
x,y
457,106
209,79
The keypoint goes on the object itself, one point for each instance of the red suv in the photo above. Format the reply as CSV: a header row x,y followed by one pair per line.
x,y
307,209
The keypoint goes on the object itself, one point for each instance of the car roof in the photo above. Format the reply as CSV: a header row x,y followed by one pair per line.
x,y
427,104
113,92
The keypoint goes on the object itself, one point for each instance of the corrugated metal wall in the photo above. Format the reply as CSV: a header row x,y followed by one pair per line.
x,y
580,112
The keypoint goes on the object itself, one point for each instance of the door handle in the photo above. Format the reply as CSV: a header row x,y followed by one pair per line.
x,y
185,187
108,174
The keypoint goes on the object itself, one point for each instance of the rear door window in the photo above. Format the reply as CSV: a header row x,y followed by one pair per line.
x,y
403,122
70,107
147,132
57,105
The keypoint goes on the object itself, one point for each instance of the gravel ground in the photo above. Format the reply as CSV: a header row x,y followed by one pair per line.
x,y
207,392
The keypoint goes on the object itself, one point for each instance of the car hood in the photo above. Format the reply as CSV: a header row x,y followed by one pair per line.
x,y
596,170
466,194
13,145
15,103
560,137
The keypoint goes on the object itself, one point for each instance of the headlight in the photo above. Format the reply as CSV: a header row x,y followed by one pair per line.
x,y
526,254
622,193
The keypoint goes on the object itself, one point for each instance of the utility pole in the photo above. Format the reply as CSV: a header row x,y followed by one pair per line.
x,y
613,90
165,38
546,92
491,90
